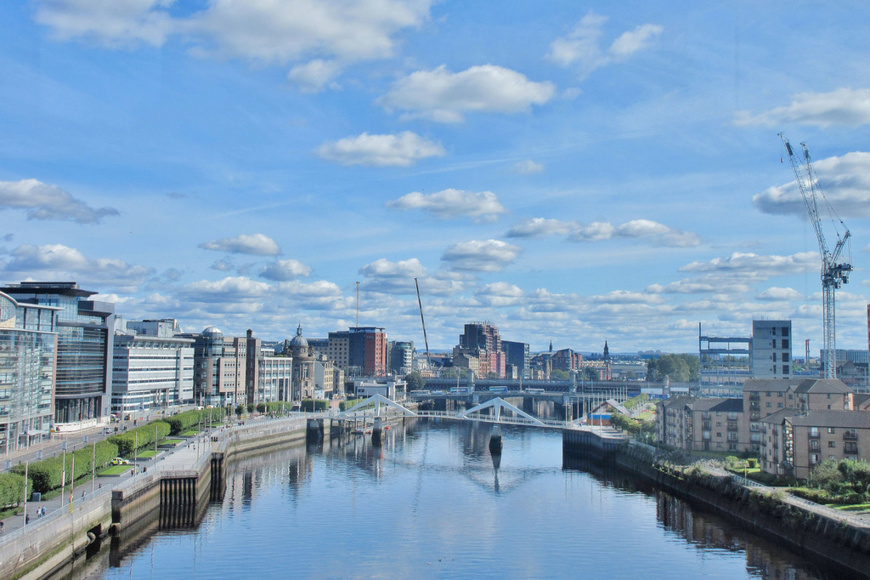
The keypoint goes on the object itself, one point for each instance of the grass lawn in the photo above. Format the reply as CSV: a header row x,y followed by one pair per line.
x,y
190,433
116,470
146,454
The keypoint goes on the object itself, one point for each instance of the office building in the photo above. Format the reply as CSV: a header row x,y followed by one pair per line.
x,y
28,347
359,351
85,335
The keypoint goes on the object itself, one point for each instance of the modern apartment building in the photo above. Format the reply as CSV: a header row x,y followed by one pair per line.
x,y
85,335
220,368
28,347
401,359
708,424
794,443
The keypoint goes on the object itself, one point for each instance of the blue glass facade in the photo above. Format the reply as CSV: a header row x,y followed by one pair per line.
x,y
84,347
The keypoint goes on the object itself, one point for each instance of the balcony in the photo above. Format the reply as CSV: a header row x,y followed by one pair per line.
x,y
850,435
732,427
814,435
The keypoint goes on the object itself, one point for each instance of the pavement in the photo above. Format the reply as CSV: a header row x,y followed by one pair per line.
x,y
184,455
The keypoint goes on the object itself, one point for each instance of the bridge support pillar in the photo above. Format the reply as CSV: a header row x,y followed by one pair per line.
x,y
314,431
495,443
377,432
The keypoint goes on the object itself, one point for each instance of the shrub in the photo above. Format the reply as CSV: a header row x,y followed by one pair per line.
x,y
47,474
345,405
12,489
183,421
140,437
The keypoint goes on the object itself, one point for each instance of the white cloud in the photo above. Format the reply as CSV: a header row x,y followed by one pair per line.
x,y
481,255
383,268
775,294
659,234
582,46
844,107
313,76
845,182
401,150
759,266
113,23
261,30
254,244
541,227
499,294
228,290
49,202
283,270
56,261
444,96
452,203
527,167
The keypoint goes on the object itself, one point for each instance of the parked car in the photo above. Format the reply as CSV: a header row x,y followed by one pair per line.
x,y
120,461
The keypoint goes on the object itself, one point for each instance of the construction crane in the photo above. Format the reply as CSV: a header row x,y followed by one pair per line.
x,y
834,272
423,321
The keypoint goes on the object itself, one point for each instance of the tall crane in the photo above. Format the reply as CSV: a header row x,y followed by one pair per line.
x,y
834,272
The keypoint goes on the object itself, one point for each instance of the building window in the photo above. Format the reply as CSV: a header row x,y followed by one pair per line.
x,y
785,330
785,357
832,444
785,369
831,430
784,343
767,405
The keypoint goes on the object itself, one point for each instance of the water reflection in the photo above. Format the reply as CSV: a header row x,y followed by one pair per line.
x,y
707,531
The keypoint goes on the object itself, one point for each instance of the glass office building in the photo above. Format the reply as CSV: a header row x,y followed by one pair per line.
x,y
85,331
28,348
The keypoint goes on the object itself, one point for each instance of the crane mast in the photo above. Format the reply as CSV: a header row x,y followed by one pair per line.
x,y
834,272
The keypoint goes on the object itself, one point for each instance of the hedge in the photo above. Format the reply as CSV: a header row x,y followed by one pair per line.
x,y
12,489
345,405
274,407
311,405
183,421
46,475
142,436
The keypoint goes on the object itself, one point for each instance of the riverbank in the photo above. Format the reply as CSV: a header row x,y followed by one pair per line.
x,y
840,540
176,488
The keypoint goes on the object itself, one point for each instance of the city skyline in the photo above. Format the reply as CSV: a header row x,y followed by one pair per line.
x,y
569,173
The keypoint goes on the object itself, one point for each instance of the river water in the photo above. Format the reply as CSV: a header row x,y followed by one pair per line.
x,y
429,503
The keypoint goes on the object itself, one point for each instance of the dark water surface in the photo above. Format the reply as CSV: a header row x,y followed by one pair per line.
x,y
430,504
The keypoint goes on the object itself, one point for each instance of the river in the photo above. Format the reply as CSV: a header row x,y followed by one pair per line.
x,y
430,503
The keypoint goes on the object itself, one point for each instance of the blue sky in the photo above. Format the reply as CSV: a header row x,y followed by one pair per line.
x,y
568,171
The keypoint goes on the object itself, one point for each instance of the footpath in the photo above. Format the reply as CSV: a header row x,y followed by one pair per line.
x,y
182,456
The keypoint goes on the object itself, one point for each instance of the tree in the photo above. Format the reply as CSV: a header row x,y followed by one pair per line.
x,y
590,373
682,368
559,374
415,381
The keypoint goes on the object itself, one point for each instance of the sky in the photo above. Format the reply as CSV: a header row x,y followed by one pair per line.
x,y
569,172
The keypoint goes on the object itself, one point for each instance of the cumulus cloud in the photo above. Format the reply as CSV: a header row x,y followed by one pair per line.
x,y
774,294
314,76
541,227
283,270
389,277
844,107
443,96
761,266
254,244
452,203
262,30
400,150
481,255
110,23
499,294
49,202
231,289
527,167
657,233
845,182
582,47
56,261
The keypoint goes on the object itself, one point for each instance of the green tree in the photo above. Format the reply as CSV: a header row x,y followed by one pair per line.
x,y
415,381
681,368
590,373
560,375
